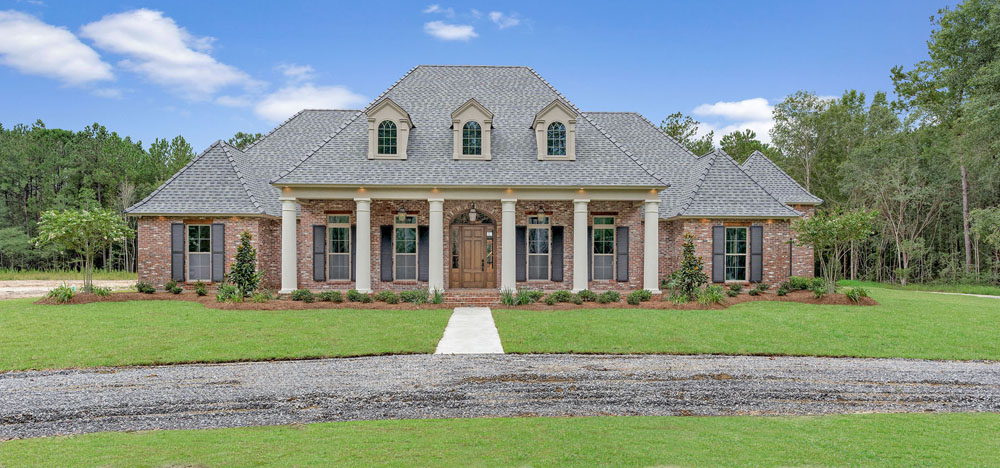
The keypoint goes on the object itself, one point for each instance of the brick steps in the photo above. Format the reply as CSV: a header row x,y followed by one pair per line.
x,y
471,298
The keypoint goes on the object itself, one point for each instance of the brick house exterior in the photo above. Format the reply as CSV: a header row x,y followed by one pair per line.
x,y
470,186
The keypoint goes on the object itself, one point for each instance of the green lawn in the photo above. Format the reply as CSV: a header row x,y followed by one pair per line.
x,y
157,332
7,274
873,440
939,287
905,324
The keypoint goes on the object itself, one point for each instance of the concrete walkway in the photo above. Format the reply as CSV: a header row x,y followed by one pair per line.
x,y
470,331
14,289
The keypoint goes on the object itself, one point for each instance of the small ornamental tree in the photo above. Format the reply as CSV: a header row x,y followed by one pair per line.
x,y
83,231
831,233
986,228
244,274
688,280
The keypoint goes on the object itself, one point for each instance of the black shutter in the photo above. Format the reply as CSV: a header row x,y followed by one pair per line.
x,y
218,252
521,258
319,252
557,254
590,249
423,252
718,254
385,247
621,251
756,253
177,251
354,239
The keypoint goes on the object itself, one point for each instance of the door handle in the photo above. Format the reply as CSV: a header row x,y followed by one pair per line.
x,y
482,265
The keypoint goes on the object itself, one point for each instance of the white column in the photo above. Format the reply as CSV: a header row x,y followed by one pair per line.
x,y
435,263
651,248
289,245
363,249
580,252
508,256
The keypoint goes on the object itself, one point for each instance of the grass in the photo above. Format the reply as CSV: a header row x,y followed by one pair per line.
x,y
936,287
871,440
905,324
158,332
7,274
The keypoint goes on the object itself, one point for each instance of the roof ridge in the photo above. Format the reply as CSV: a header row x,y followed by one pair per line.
x,y
686,202
782,171
339,129
282,124
469,66
660,129
171,178
239,174
752,179
599,128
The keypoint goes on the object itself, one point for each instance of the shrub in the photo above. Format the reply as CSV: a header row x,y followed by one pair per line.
x,y
525,296
818,289
735,287
784,288
576,300
561,296
354,296
100,292
170,285
689,279
637,297
678,299
731,293
608,297
365,299
855,294
303,295
550,300
144,287
535,295
754,292
200,289
414,296
261,296
228,293
587,295
61,294
508,298
712,294
176,289
798,283
437,297
330,296
763,286
244,274
388,297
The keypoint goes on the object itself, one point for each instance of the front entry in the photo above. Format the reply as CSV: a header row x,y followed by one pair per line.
x,y
472,263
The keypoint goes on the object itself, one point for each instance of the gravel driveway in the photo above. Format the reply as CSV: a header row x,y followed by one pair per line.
x,y
437,386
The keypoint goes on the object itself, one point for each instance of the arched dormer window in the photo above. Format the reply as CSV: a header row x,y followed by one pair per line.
x,y
472,138
386,137
556,139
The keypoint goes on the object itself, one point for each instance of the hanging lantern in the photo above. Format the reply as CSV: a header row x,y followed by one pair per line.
x,y
401,215
472,213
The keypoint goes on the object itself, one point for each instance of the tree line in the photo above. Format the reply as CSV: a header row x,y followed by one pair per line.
x,y
926,160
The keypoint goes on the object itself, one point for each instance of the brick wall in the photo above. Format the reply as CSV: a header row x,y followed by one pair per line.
x,y
154,246
803,261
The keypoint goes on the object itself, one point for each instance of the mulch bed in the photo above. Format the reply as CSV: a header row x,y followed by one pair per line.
x,y
658,302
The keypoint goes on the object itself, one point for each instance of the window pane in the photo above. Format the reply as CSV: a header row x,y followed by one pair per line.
x,y
538,241
406,240
406,267
472,138
340,241
200,267
339,219
340,267
386,137
538,267
604,267
604,241
604,220
736,267
736,240
556,139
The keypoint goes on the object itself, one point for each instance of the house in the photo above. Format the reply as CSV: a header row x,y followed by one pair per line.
x,y
471,177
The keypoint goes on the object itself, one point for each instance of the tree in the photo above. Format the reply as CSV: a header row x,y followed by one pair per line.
x,y
83,231
244,274
830,233
688,280
241,140
986,228
684,129
798,131
741,144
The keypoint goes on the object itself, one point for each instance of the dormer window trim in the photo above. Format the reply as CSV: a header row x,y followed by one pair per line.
x,y
387,111
557,112
472,111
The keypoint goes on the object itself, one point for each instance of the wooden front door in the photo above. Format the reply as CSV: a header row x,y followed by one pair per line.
x,y
472,257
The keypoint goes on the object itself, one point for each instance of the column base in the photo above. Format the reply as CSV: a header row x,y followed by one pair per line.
x,y
364,291
285,291
655,291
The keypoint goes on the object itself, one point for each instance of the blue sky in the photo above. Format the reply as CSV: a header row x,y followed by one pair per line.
x,y
206,70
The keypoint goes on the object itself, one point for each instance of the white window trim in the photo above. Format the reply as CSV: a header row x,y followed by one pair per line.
x,y
188,253
471,111
388,110
416,250
614,246
329,237
527,248
557,111
746,269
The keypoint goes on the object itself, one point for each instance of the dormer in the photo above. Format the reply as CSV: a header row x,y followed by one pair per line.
x,y
555,132
471,125
388,130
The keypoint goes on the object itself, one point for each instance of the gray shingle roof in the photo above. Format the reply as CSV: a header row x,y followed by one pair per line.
x,y
769,175
429,94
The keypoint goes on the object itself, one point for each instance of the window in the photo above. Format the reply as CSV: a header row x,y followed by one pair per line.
x,y
406,247
557,139
736,254
199,252
386,137
472,138
604,248
339,231
538,247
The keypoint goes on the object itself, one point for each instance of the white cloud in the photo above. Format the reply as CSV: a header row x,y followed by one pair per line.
x,y
234,101
725,117
297,72
504,21
286,101
155,46
450,32
36,48
435,8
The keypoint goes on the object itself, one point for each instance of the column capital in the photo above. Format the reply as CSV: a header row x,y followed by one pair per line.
x,y
649,203
363,200
508,200
435,200
581,200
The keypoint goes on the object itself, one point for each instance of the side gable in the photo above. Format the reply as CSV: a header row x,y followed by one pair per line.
x,y
777,181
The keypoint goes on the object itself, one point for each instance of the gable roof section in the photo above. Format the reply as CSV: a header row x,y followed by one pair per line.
x,y
429,94
717,187
211,183
777,181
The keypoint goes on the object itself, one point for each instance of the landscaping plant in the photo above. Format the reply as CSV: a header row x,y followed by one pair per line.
x,y
100,291
354,296
637,297
200,289
784,289
228,293
689,279
61,294
712,294
609,297
388,297
831,234
818,289
261,296
86,232
437,297
587,295
169,285
856,293
414,296
550,300
330,296
144,287
244,274
798,283
508,297
525,297
303,295
177,289
561,296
